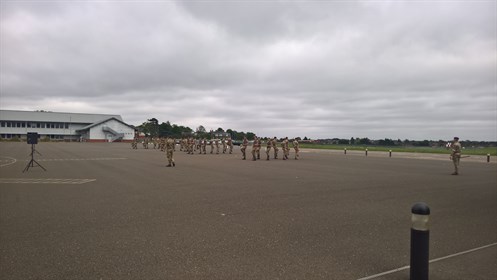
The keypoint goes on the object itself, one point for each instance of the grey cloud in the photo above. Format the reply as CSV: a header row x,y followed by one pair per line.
x,y
317,68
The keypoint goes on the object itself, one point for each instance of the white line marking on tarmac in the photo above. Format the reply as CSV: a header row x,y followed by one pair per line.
x,y
432,261
11,161
44,181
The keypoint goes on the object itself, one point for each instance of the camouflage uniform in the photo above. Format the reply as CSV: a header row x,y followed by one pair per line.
x,y
162,144
204,145
230,144
284,147
191,143
256,148
169,151
243,147
145,143
134,144
225,145
455,154
268,147
274,143
155,141
296,147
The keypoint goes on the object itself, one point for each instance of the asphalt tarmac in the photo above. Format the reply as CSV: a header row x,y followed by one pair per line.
x,y
105,211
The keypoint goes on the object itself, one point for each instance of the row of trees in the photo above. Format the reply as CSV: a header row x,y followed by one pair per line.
x,y
152,128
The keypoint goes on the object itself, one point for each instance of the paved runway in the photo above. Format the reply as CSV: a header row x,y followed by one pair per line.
x,y
105,211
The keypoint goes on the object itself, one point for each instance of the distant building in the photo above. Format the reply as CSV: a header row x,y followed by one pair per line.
x,y
65,126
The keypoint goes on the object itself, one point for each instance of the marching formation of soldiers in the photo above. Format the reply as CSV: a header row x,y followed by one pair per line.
x,y
270,144
191,145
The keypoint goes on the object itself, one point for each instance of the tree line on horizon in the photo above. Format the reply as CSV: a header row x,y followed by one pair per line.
x,y
152,128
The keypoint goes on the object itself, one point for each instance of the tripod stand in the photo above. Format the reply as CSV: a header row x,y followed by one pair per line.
x,y
33,161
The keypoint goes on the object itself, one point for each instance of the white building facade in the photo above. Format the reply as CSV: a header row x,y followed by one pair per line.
x,y
57,126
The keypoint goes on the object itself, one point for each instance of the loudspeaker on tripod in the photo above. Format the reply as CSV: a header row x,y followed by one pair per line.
x,y
33,138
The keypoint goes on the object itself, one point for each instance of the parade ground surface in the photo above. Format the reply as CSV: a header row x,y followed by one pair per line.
x,y
106,211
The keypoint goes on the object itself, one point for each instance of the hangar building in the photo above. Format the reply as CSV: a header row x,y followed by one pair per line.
x,y
65,126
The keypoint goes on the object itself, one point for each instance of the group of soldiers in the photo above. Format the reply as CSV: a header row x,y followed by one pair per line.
x,y
270,144
192,145
158,142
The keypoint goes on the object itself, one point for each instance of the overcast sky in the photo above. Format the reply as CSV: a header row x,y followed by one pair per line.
x,y
322,69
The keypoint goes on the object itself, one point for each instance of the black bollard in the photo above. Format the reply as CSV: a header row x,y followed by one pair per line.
x,y
366,152
420,239
488,157
345,151
390,153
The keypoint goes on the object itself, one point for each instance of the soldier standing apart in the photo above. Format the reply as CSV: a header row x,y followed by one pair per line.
x,y
268,147
169,151
295,144
455,154
275,147
244,147
212,145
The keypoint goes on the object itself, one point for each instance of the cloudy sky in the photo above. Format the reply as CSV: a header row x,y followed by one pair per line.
x,y
322,69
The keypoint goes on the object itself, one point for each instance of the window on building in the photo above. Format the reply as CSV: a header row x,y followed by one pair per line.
x,y
67,125
9,124
2,124
23,124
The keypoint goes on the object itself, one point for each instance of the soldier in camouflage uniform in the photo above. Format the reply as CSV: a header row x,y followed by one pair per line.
x,y
145,142
284,147
154,141
268,147
274,143
225,145
134,143
217,146
455,154
243,147
204,145
230,144
256,148
169,151
191,145
296,147
182,144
